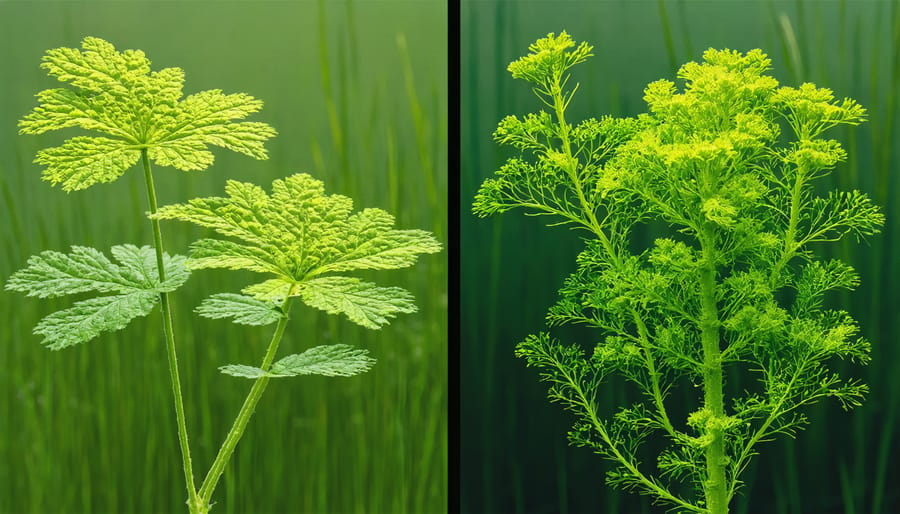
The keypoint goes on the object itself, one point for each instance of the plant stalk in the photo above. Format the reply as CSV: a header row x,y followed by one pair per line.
x,y
715,487
170,344
246,412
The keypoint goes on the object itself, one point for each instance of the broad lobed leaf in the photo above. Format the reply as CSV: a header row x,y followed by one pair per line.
x,y
298,234
117,94
134,282
52,273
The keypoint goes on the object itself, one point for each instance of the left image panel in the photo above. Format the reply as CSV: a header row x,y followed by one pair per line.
x,y
224,261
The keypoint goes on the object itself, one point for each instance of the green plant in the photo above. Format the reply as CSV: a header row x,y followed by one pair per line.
x,y
728,164
299,235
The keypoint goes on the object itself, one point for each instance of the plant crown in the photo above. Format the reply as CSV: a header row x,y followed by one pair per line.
x,y
728,161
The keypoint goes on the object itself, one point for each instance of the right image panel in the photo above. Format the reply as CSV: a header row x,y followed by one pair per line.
x,y
678,290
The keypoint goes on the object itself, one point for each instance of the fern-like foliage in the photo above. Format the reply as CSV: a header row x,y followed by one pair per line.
x,y
301,237
133,285
728,161
116,94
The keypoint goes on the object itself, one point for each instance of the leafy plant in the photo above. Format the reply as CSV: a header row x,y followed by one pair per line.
x,y
298,235
728,162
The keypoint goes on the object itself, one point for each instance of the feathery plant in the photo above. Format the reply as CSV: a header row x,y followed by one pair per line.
x,y
298,235
728,162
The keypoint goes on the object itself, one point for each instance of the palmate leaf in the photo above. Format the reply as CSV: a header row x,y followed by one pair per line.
x,y
117,94
337,360
134,282
298,234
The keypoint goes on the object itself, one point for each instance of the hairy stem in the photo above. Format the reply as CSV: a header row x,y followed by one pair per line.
x,y
170,343
246,412
715,487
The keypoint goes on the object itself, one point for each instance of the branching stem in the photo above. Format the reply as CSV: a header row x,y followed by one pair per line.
x,y
246,412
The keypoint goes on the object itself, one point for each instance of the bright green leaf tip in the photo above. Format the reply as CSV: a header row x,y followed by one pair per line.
x,y
116,94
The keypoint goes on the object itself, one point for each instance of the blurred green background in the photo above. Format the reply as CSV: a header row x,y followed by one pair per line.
x,y
514,453
358,93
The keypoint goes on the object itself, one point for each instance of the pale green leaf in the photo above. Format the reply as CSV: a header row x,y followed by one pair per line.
x,y
363,303
86,319
244,309
274,290
82,161
117,94
243,371
51,273
336,360
219,253
134,283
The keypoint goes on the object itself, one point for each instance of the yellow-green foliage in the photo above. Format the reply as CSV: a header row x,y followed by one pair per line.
x,y
116,94
728,161
299,234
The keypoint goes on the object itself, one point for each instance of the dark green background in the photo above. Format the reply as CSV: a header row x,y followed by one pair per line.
x,y
514,454
358,93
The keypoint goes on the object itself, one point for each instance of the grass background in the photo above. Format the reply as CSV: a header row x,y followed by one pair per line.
x,y
358,93
514,453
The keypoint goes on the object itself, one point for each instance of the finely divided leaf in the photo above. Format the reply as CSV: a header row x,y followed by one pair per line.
x,y
337,360
363,303
117,94
244,309
134,282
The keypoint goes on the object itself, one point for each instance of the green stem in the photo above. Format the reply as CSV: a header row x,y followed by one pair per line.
x,y
170,343
715,487
243,417
559,105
